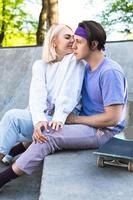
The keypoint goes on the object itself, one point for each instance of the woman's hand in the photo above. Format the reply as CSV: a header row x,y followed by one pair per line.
x,y
37,134
55,125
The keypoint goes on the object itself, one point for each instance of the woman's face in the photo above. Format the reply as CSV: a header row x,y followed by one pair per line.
x,y
64,42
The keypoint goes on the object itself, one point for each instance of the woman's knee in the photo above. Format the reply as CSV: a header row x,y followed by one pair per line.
x,y
16,115
10,115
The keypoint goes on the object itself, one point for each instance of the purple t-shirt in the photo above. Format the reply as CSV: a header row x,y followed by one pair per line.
x,y
103,87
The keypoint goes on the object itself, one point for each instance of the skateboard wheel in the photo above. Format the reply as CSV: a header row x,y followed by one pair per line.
x,y
130,166
100,162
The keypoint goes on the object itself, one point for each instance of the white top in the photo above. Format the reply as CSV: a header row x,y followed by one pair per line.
x,y
55,85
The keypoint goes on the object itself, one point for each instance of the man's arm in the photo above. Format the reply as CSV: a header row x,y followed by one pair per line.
x,y
110,117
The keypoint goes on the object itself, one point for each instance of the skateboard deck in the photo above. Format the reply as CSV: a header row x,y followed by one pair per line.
x,y
116,152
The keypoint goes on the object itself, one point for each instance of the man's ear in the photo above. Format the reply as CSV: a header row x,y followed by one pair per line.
x,y
94,45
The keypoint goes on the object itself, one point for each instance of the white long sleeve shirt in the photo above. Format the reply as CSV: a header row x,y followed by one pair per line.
x,y
55,85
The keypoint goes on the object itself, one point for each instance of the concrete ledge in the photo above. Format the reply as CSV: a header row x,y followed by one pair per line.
x,y
74,175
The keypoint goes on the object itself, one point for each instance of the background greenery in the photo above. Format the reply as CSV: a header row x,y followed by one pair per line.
x,y
20,28
16,26
118,16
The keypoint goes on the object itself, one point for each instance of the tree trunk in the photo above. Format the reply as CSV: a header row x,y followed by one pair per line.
x,y
2,25
48,16
1,35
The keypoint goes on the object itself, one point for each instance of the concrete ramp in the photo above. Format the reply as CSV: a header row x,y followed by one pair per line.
x,y
15,72
69,175
15,76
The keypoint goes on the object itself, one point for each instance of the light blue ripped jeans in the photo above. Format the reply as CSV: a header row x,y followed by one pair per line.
x,y
15,126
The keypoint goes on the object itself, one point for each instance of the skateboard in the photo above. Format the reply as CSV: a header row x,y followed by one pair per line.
x,y
116,152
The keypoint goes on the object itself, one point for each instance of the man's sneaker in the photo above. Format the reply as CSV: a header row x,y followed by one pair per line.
x,y
7,159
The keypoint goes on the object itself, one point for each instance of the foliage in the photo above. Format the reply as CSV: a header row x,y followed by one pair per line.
x,y
19,39
16,26
118,14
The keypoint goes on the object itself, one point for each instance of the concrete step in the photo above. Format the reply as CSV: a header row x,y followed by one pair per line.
x,y
74,175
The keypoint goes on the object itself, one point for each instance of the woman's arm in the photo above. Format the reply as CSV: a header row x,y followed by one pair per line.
x,y
69,94
38,93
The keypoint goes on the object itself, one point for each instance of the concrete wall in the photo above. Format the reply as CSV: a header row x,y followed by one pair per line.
x,y
15,73
15,76
122,53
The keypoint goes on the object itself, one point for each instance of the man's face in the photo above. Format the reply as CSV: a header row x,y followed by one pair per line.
x,y
81,48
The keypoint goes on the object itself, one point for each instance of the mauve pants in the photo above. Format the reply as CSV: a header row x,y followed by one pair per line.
x,y
70,137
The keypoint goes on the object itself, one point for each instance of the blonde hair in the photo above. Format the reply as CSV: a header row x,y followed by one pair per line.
x,y
49,53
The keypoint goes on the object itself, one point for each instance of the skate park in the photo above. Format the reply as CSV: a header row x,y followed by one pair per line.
x,y
69,174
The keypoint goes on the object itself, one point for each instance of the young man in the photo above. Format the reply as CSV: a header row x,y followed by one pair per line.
x,y
104,91
104,95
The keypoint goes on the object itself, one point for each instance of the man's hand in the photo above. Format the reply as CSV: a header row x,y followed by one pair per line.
x,y
70,119
55,125
37,134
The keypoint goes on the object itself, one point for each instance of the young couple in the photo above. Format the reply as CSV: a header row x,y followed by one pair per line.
x,y
52,120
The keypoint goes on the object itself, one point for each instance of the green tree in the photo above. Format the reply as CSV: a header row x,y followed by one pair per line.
x,y
118,15
16,27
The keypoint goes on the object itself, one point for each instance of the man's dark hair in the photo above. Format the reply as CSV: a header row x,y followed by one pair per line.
x,y
95,33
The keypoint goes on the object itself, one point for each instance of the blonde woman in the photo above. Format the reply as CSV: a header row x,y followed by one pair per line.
x,y
54,92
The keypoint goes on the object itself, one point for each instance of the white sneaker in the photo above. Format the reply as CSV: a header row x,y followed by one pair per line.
x,y
7,159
